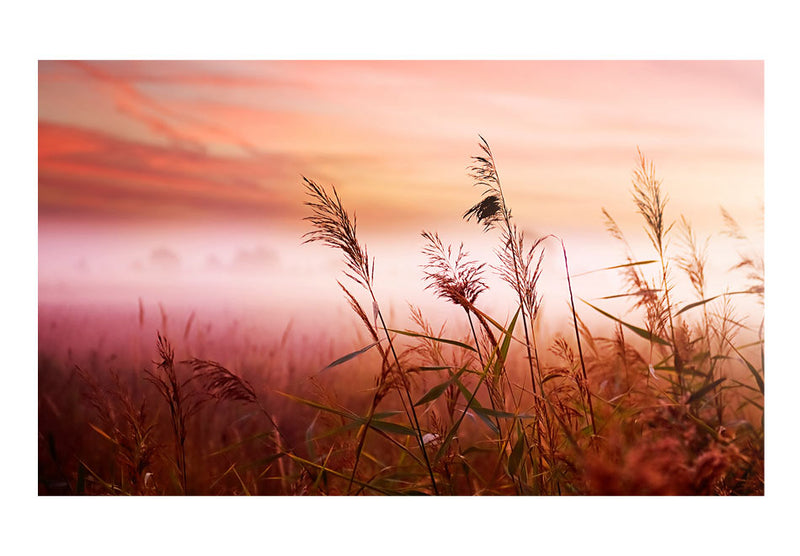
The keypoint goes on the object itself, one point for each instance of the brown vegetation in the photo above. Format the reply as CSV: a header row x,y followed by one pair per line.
x,y
672,405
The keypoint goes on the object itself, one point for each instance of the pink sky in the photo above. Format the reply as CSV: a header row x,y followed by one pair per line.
x,y
203,159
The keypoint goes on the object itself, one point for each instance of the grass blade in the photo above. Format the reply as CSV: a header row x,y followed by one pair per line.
x,y
439,389
316,405
705,390
704,301
635,329
477,408
500,353
697,304
751,368
633,294
488,412
337,474
385,426
516,453
614,267
434,338
350,356
101,433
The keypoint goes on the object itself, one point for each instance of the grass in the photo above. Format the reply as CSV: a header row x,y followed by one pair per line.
x,y
665,400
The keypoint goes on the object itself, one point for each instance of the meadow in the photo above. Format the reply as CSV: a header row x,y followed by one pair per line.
x,y
663,397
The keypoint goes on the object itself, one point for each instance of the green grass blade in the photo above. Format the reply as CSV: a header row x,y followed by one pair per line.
x,y
614,267
502,355
376,424
500,352
439,368
686,370
108,486
316,405
477,408
336,473
490,320
634,294
697,304
439,389
80,486
753,402
489,412
434,338
240,443
705,390
516,453
635,329
743,385
385,426
704,301
350,356
264,462
750,367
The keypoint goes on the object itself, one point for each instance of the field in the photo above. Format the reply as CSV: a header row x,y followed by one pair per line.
x,y
654,397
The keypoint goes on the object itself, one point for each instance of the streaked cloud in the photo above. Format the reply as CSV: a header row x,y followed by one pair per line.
x,y
138,140
97,175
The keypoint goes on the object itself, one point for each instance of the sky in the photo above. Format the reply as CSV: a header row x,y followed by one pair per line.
x,y
607,30
180,182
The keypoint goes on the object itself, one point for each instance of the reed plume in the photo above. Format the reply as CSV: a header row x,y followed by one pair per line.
x,y
749,259
222,384
493,213
126,424
333,227
692,261
183,402
456,279
651,204
459,280
516,268
638,285
521,269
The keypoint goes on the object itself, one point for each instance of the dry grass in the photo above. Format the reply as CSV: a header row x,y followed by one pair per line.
x,y
671,405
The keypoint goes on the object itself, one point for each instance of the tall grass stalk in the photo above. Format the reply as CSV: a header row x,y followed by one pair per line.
x,y
493,212
685,419
333,227
183,403
460,281
225,385
578,338
651,203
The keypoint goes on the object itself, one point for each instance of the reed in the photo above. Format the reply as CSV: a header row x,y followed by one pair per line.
x,y
332,226
667,402
182,401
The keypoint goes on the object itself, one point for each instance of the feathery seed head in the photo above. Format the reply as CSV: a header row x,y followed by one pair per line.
x,y
455,279
650,202
333,227
491,209
222,384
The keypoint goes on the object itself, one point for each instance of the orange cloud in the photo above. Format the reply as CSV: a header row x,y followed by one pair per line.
x,y
232,138
95,174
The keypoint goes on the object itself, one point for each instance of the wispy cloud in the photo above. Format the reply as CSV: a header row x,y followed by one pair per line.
x,y
96,174
180,127
231,139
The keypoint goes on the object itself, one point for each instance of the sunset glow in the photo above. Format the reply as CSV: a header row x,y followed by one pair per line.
x,y
204,158
564,257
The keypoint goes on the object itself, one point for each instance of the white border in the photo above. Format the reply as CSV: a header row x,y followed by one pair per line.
x,y
372,30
